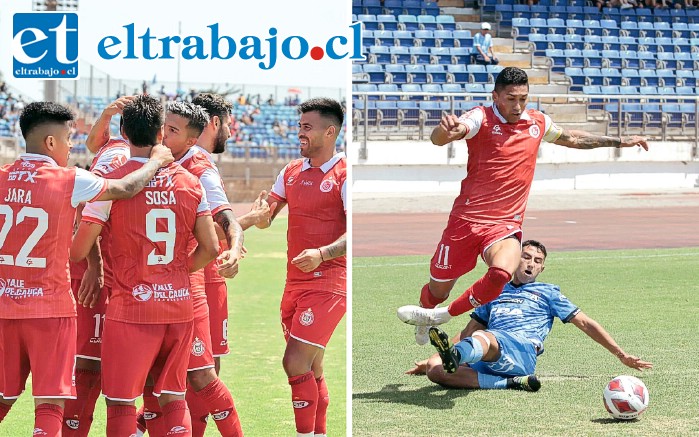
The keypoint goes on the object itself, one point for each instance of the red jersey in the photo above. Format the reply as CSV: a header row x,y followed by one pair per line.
x,y
317,217
501,162
200,163
37,210
149,245
111,156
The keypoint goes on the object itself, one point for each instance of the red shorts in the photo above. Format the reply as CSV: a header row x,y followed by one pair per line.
x,y
217,298
46,347
200,355
461,244
311,316
132,351
90,324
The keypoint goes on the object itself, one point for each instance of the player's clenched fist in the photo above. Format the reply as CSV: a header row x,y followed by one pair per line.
x,y
162,154
308,260
450,123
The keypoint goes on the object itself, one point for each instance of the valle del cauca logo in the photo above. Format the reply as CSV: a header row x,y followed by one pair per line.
x,y
45,45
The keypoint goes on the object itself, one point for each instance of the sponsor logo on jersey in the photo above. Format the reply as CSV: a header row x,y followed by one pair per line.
x,y
496,130
327,185
3,284
221,415
72,423
474,302
16,289
290,181
142,292
39,431
306,318
198,347
177,430
307,183
510,300
45,45
149,415
534,131
300,404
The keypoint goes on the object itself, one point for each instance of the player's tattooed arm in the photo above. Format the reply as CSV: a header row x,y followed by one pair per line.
x,y
134,182
577,139
99,134
231,228
335,249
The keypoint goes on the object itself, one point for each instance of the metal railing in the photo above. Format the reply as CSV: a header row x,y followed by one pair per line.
x,y
412,116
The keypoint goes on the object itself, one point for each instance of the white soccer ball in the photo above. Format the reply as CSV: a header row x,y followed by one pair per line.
x,y
625,397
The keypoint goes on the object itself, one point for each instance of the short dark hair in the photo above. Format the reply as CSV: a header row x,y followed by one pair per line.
x,y
328,108
195,114
536,244
38,113
511,76
214,104
143,117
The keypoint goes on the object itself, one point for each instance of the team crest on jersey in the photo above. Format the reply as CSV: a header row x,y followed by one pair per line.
x,y
307,317
3,284
497,130
534,131
327,185
142,292
290,181
72,423
198,347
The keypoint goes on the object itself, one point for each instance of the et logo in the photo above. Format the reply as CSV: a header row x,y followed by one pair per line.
x,y
45,45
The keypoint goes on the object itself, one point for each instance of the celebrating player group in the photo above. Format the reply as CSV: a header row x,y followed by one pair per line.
x,y
144,243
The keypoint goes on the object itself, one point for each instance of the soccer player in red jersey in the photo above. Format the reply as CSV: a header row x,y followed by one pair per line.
x,y
40,196
314,299
207,394
486,219
148,326
96,272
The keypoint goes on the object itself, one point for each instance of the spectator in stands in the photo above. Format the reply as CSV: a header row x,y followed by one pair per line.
x,y
270,100
482,52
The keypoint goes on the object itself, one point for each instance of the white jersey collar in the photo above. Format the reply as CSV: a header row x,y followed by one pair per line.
x,y
37,157
326,166
523,116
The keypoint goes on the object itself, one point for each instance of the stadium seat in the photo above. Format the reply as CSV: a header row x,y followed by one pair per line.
x,y
408,22
478,73
369,21
389,87
379,55
427,22
446,22
426,38
444,37
440,55
403,38
461,55
387,22
436,73
372,7
463,38
395,73
430,8
383,38
412,7
393,7
400,55
459,73
421,55
375,73
416,73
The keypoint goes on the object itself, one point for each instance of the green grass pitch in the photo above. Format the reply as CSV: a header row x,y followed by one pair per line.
x,y
647,299
253,371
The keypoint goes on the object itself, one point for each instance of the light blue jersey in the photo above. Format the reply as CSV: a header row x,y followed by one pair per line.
x,y
484,41
526,311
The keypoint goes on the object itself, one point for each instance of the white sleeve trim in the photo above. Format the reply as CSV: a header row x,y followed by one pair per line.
x,y
343,193
279,187
99,210
86,187
204,204
472,120
215,194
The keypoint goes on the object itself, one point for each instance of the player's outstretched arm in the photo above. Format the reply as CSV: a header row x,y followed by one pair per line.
x,y
596,332
233,232
207,247
93,279
84,240
310,259
134,182
578,139
99,134
448,130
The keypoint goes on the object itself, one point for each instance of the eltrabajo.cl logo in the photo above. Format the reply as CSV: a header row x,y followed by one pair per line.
x,y
45,45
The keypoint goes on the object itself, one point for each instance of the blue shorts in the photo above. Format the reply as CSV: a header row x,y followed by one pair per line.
x,y
517,356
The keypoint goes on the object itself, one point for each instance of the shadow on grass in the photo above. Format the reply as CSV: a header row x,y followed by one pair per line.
x,y
612,421
432,396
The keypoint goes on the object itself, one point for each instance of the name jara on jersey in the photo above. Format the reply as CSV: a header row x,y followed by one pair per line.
x,y
18,195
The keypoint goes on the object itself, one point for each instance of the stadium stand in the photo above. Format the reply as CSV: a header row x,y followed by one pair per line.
x,y
645,63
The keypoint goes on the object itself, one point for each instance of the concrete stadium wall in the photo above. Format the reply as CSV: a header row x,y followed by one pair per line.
x,y
415,166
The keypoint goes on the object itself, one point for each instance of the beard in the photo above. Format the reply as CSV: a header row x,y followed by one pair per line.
x,y
220,141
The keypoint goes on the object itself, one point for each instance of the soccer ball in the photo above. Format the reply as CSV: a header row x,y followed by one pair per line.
x,y
625,397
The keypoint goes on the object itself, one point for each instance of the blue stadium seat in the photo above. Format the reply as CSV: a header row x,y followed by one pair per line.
x,y
427,22
432,88
576,75
403,38
611,58
445,38
459,73
452,88
592,89
592,27
395,73
522,25
556,41
412,88
593,76
630,77
436,73
393,7
446,22
412,7
609,90
375,73
387,22
648,77
369,21
539,41
440,55
611,76
574,58
389,87
372,7
478,73
426,38
558,58
461,55
379,55
593,42
383,38
400,55
421,55
416,73
366,87
408,22
430,8
463,38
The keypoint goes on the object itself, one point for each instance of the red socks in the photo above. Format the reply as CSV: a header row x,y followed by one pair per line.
x,y
481,292
322,410
219,401
4,409
77,416
304,397
177,420
198,411
152,413
48,419
121,420
427,299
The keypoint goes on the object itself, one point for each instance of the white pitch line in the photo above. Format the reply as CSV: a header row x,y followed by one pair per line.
x,y
659,255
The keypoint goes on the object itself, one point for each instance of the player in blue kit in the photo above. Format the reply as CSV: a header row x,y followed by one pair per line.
x,y
500,345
